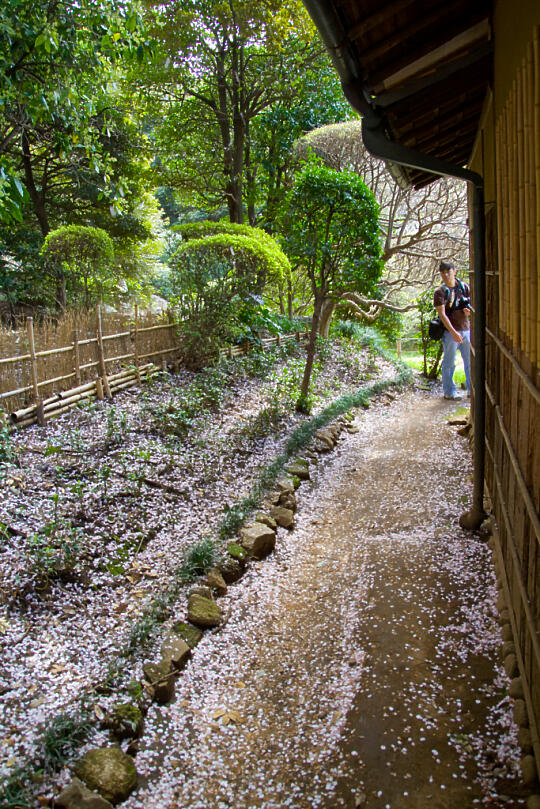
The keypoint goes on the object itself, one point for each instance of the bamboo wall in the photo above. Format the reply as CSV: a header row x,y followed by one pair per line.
x,y
45,370
508,156
37,361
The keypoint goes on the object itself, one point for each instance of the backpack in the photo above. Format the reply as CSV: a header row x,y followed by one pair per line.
x,y
436,326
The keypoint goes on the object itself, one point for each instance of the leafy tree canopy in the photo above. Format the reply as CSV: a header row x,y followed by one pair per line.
x,y
57,65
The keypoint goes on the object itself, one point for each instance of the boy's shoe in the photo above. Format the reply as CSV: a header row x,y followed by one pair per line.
x,y
454,396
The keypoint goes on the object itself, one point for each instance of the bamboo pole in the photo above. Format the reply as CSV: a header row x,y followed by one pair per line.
x,y
530,207
536,101
499,151
101,354
514,221
76,356
505,160
34,370
520,137
136,343
99,389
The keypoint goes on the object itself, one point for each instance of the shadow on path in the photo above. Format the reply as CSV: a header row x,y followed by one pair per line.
x,y
360,665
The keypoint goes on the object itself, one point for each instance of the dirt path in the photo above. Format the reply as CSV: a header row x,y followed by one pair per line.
x,y
359,666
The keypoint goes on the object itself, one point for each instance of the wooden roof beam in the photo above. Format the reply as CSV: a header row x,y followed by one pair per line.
x,y
438,75
369,23
463,40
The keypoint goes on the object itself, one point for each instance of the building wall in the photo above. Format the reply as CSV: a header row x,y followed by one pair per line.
x,y
507,154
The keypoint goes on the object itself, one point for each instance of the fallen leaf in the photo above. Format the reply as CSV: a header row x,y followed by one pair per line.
x,y
4,626
99,712
57,669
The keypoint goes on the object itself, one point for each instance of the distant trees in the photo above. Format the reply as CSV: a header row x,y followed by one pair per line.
x,y
232,85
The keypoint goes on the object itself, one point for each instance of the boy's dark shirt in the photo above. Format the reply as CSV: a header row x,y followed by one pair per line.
x,y
458,317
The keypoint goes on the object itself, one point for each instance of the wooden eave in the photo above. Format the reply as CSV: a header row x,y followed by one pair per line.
x,y
424,68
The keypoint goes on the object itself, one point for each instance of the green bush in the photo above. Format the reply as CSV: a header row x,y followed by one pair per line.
x,y
80,260
214,280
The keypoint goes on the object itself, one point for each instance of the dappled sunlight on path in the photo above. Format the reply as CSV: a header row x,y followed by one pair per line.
x,y
359,665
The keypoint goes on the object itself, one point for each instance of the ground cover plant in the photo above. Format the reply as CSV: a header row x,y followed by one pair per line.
x,y
112,509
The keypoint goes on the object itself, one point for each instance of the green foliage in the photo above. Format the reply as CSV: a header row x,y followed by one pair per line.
x,y
214,279
365,336
259,251
16,792
80,259
431,349
53,552
7,451
117,426
199,558
64,735
49,113
334,231
333,235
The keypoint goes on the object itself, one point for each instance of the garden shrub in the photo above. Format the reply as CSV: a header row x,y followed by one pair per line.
x,y
214,280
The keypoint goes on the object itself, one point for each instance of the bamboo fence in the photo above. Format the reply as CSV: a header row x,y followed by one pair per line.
x,y
513,374
46,369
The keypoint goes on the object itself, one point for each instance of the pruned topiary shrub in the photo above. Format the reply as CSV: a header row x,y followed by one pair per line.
x,y
214,280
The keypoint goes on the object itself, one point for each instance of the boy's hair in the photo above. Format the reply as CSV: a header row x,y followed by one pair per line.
x,y
446,265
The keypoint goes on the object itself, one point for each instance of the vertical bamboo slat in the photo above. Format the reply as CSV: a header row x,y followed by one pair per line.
x,y
136,343
521,258
532,283
507,229
513,299
502,218
101,354
536,102
34,370
76,357
528,224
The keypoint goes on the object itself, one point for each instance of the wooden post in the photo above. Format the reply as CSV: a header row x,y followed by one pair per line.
x,y
76,357
34,370
101,355
230,352
99,389
297,336
278,339
398,347
136,344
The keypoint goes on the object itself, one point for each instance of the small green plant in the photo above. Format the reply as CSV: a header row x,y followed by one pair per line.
x,y
117,426
53,552
64,735
15,792
199,558
7,451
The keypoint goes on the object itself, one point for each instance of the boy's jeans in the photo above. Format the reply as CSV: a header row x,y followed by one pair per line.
x,y
449,361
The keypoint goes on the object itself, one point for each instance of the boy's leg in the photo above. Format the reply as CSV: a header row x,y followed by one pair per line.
x,y
465,349
448,364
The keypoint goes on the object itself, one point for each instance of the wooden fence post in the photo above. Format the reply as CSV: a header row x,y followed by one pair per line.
x,y
34,370
398,347
136,344
76,357
101,355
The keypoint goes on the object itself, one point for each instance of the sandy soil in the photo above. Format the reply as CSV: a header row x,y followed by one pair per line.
x,y
360,665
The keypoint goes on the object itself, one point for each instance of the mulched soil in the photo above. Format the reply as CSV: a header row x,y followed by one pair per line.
x,y
100,508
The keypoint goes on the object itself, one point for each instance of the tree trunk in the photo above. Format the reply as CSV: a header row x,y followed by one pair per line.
x,y
327,310
289,297
302,404
37,198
